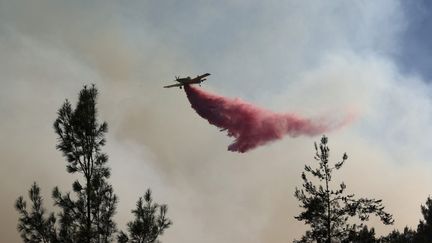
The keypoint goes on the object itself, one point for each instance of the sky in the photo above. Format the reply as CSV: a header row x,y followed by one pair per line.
x,y
313,58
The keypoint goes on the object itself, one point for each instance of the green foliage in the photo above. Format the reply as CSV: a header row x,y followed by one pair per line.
x,y
424,228
33,225
407,236
364,235
80,138
328,210
149,223
87,214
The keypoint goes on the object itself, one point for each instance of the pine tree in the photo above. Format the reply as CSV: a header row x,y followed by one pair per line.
x,y
424,228
80,139
407,236
35,226
328,210
364,235
150,222
87,214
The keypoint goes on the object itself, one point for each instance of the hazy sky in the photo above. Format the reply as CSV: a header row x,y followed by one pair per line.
x,y
309,57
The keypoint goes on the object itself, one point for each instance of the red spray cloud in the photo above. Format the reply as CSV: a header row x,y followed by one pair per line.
x,y
251,126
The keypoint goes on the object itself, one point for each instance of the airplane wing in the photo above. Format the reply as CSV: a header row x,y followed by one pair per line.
x,y
173,85
199,78
203,76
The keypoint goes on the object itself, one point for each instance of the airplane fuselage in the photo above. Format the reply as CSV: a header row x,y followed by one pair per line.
x,y
188,80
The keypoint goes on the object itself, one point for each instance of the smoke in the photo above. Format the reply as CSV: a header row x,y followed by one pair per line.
x,y
316,57
252,126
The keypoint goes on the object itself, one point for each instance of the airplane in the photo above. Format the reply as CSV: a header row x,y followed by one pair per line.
x,y
188,80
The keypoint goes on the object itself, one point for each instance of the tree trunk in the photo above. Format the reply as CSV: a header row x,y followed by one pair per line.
x,y
328,209
88,211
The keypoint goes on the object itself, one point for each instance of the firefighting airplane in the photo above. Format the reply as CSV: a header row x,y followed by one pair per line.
x,y
188,80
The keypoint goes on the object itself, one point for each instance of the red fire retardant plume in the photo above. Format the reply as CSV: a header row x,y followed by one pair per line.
x,y
251,126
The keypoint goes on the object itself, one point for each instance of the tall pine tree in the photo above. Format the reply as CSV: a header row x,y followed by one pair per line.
x,y
87,214
326,209
88,218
